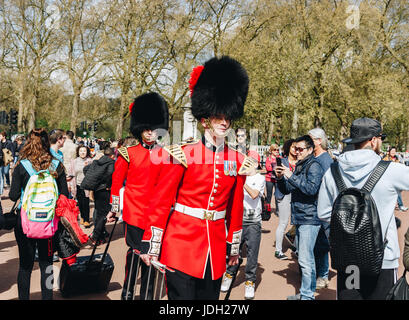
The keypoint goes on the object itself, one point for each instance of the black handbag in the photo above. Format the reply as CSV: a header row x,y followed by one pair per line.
x,y
400,290
265,214
10,218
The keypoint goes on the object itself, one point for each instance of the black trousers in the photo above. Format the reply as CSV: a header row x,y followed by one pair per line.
x,y
133,238
83,204
181,286
368,288
102,205
270,189
26,250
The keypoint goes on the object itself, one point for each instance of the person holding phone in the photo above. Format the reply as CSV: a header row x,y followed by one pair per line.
x,y
303,184
284,201
271,163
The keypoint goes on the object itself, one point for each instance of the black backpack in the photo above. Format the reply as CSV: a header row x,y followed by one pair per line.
x,y
355,231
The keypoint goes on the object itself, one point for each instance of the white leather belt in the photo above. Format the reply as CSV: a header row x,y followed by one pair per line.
x,y
200,213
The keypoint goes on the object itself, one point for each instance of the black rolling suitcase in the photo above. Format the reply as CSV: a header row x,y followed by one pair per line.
x,y
88,274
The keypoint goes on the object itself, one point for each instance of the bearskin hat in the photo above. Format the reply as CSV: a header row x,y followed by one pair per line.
x,y
219,87
149,111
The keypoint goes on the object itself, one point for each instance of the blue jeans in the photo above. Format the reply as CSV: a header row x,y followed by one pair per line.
x,y
6,172
400,202
306,237
321,252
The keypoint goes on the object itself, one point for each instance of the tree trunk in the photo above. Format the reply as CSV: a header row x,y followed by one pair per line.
x,y
121,120
31,114
270,129
75,109
407,139
21,102
294,127
122,108
36,93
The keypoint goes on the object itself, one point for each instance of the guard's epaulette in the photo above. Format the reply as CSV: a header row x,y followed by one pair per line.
x,y
176,151
123,151
247,165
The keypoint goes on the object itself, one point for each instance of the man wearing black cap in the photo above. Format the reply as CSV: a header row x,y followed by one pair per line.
x,y
355,168
148,112
203,180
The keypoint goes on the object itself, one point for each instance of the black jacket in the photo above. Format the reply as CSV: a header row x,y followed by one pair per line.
x,y
98,174
7,144
303,185
63,243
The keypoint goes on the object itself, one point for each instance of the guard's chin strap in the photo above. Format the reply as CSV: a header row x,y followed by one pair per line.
x,y
209,125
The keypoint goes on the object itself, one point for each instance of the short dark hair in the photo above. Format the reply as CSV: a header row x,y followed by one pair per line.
x,y
83,146
103,145
286,147
70,134
240,129
309,143
109,151
56,135
4,134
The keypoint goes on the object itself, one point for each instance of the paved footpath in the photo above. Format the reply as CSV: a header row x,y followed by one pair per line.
x,y
276,279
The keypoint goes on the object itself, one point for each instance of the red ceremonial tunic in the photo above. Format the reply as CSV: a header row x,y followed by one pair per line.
x,y
210,182
137,172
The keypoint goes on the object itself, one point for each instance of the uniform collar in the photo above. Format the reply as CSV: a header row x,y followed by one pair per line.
x,y
148,146
212,147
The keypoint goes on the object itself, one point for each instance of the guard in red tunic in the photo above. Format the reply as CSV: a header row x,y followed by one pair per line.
x,y
133,168
203,181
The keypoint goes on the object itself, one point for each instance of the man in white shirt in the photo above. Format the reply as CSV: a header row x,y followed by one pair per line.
x,y
253,191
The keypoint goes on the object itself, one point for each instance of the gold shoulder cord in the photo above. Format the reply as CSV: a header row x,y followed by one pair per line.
x,y
123,151
247,165
176,151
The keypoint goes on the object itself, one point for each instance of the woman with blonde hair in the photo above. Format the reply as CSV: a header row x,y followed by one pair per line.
x,y
271,163
37,151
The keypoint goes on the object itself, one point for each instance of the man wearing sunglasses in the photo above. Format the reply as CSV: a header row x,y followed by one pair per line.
x,y
355,168
303,184
241,140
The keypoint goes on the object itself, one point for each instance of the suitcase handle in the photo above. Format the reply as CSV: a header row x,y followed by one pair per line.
x,y
107,246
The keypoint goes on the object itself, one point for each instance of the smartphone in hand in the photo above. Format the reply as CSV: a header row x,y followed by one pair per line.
x,y
279,162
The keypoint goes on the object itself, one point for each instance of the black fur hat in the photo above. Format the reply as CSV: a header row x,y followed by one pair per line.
x,y
149,111
219,87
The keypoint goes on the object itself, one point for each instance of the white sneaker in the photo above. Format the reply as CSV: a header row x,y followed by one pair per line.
x,y
249,290
226,282
321,283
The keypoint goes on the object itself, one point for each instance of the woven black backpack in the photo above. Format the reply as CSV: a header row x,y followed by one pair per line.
x,y
355,231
